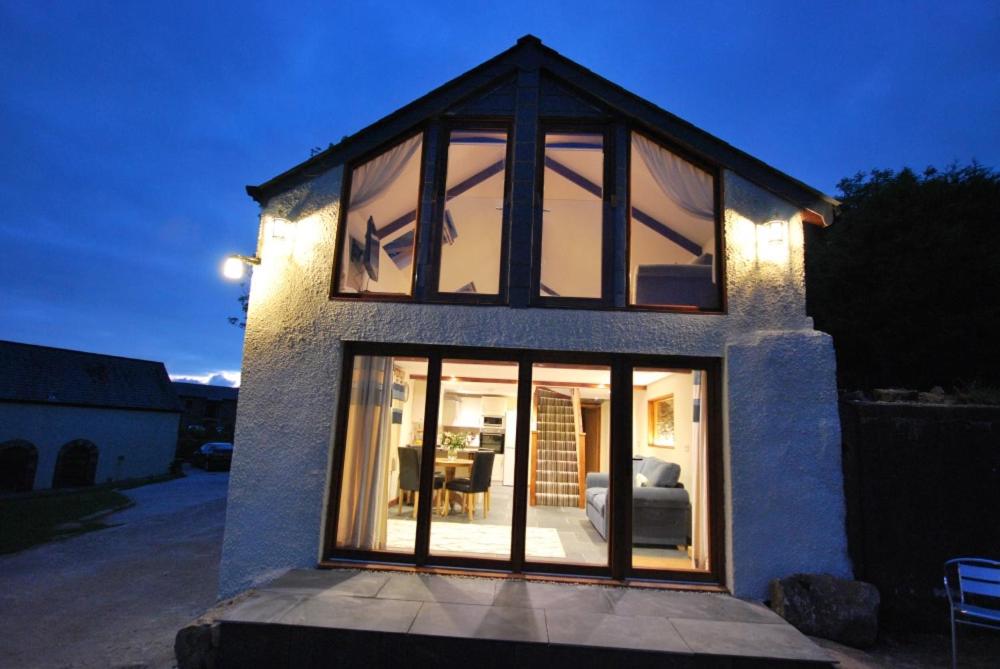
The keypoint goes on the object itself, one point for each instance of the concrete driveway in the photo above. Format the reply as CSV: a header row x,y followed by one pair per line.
x,y
116,597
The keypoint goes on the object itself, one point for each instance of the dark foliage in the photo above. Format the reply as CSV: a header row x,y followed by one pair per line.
x,y
244,300
908,278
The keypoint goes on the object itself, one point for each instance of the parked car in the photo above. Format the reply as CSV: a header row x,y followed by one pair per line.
x,y
215,455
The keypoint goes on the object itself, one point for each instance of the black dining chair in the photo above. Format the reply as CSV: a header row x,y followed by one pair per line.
x,y
478,483
409,476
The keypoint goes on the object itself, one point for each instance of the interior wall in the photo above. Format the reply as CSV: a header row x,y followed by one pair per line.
x,y
680,385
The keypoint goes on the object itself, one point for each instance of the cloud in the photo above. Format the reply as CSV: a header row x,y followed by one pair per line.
x,y
229,378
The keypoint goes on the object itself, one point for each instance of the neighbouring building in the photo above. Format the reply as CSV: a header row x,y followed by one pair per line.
x,y
531,322
70,418
209,414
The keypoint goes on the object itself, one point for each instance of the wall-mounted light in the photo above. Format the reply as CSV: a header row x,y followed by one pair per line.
x,y
774,231
281,228
232,268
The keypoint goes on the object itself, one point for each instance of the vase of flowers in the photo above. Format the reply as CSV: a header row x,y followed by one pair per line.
x,y
453,442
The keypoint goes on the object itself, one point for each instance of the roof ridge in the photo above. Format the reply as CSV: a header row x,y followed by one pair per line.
x,y
79,352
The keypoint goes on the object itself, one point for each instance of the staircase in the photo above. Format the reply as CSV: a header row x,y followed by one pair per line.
x,y
557,473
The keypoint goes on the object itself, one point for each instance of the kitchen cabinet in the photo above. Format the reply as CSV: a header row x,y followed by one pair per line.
x,y
494,405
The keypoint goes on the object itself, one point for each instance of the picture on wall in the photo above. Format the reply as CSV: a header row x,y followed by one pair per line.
x,y
661,421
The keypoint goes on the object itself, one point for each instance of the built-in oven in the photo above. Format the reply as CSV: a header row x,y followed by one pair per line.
x,y
491,441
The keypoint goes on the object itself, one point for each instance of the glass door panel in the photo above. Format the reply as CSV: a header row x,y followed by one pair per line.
x,y
568,468
669,470
474,463
381,472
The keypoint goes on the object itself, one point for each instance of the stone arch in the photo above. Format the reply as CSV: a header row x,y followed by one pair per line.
x,y
76,465
18,461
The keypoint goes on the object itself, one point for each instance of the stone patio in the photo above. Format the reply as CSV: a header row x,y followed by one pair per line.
x,y
384,619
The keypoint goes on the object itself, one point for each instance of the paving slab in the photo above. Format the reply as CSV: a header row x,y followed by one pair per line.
x,y
582,628
714,637
689,605
354,613
482,622
427,588
263,607
554,596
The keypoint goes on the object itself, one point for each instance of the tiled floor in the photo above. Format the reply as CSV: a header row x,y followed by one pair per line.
x,y
580,541
382,617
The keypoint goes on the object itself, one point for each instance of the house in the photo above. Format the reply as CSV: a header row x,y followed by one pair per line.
x,y
532,323
70,418
209,414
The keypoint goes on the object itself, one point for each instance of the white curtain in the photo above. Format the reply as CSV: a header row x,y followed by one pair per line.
x,y
364,495
373,178
687,186
699,439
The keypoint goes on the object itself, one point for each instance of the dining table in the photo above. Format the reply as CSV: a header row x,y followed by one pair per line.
x,y
450,465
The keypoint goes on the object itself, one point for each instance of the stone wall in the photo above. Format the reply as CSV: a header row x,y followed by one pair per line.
x,y
923,485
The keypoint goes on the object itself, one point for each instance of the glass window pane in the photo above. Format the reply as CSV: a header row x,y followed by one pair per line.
x,y
572,215
472,225
670,470
474,467
673,256
569,499
381,454
378,247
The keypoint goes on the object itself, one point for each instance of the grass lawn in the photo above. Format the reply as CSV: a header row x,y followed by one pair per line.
x,y
28,521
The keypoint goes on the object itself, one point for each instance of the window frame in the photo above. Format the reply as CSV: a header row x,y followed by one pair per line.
x,y
434,254
622,365
720,240
605,301
345,206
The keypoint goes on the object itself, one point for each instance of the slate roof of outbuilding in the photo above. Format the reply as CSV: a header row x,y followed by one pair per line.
x,y
58,376
185,389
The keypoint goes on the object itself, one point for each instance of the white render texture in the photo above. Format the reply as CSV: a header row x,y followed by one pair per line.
x,y
291,373
130,444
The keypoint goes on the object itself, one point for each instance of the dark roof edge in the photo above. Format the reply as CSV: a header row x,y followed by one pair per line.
x,y
78,352
90,405
698,140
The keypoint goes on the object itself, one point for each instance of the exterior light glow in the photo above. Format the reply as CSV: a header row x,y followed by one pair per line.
x,y
775,232
232,268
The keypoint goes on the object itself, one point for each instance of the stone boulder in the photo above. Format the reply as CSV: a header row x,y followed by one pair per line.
x,y
829,607
196,645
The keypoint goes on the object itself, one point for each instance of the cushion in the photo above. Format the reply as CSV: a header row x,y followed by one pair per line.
x,y
659,473
641,481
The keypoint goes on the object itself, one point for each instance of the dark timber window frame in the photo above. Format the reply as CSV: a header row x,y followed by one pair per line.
x,y
536,299
616,232
345,200
433,292
720,234
619,566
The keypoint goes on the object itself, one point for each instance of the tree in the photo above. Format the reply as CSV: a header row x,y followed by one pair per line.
x,y
244,300
907,280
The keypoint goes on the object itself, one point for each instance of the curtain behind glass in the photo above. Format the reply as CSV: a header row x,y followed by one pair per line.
x,y
364,495
688,187
370,180
699,439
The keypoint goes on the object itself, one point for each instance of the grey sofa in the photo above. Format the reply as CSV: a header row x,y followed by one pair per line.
x,y
661,510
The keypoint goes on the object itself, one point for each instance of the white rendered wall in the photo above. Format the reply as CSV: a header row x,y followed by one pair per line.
x,y
291,373
144,440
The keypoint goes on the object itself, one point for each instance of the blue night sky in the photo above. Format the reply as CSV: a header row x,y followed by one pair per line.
x,y
129,129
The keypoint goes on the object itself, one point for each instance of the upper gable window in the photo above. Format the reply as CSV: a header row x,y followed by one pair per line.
x,y
572,216
471,232
673,250
378,248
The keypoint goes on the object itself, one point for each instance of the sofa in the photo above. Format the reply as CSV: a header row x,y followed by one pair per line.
x,y
661,507
678,284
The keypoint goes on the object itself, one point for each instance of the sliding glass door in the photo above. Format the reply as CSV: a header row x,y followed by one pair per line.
x,y
526,461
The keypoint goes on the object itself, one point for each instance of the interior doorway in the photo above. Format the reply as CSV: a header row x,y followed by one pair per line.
x,y
592,428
